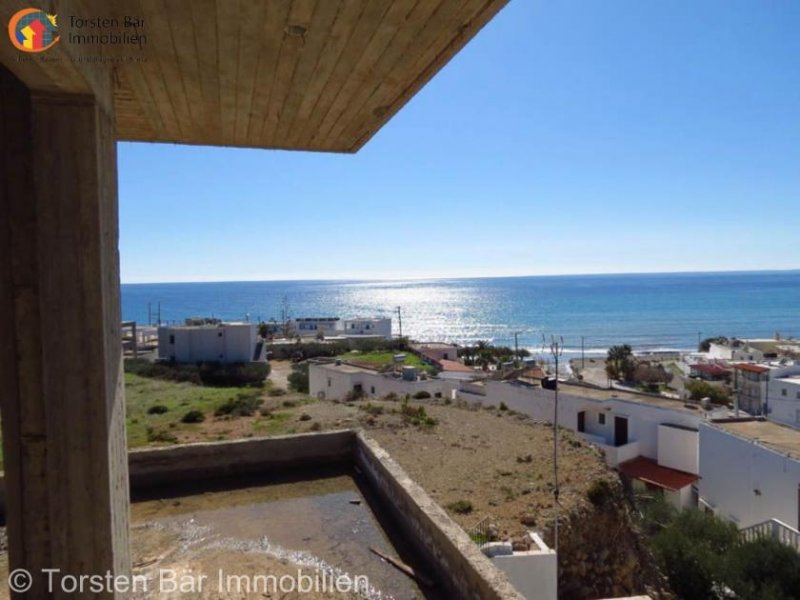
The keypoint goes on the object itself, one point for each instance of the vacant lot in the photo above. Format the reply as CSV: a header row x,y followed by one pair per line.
x,y
384,359
475,463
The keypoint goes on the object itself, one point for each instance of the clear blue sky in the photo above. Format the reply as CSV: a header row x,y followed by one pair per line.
x,y
568,137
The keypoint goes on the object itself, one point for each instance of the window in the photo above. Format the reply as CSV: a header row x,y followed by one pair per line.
x,y
372,390
797,416
329,382
601,418
797,395
783,392
172,338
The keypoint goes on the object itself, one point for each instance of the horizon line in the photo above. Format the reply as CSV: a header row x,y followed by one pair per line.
x,y
465,277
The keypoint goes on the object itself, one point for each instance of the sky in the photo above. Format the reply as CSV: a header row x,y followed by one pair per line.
x,y
569,137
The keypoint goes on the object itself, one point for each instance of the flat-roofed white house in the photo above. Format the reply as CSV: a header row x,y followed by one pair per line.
x,y
318,326
750,471
783,400
214,342
367,326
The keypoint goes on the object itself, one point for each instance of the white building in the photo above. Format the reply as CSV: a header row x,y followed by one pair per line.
x,y
755,383
372,327
336,379
333,327
750,472
436,350
220,342
783,400
316,326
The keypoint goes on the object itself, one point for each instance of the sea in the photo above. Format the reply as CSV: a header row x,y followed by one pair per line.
x,y
651,312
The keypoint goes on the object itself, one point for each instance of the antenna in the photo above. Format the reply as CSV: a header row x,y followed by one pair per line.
x,y
556,350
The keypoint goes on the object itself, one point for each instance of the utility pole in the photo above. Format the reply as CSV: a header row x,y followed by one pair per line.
x,y
149,313
159,314
556,349
400,321
516,346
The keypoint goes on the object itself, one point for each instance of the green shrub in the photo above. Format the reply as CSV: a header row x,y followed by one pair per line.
x,y
298,378
422,395
244,405
503,406
600,492
209,373
763,569
193,416
276,391
160,435
157,409
461,507
692,550
372,409
416,416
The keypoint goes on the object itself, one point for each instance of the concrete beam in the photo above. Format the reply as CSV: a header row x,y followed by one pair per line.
x,y
63,409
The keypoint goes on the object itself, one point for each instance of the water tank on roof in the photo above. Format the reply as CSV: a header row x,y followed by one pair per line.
x,y
409,373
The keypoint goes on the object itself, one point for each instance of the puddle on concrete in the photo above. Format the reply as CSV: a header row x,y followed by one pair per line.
x,y
314,526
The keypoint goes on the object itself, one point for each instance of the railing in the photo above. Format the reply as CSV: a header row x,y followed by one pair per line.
x,y
775,529
480,531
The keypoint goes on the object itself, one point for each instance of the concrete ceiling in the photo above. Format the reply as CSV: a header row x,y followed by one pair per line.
x,y
295,74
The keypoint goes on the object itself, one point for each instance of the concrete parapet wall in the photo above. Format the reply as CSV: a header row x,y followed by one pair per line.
x,y
452,555
454,560
157,466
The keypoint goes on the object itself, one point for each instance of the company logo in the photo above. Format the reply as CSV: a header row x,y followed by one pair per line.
x,y
33,30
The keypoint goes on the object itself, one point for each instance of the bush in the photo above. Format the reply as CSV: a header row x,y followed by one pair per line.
x,y
298,378
320,349
763,569
160,435
422,395
244,405
699,389
416,416
372,409
193,416
503,406
600,492
157,409
691,552
210,373
461,507
276,391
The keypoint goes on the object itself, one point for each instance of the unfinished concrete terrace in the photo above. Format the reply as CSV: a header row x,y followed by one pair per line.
x,y
322,76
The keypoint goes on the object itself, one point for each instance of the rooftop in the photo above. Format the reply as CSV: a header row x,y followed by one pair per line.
x,y
649,471
751,368
782,438
454,365
652,400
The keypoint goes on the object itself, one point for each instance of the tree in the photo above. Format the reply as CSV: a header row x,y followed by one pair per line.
x,y
705,345
691,552
619,362
298,378
699,389
763,570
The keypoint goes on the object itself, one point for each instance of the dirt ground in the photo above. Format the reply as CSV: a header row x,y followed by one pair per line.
x,y
476,463
498,461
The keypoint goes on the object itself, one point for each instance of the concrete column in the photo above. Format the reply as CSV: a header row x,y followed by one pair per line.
x,y
61,386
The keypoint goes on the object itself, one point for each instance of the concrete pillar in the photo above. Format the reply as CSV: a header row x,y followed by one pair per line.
x,y
61,386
